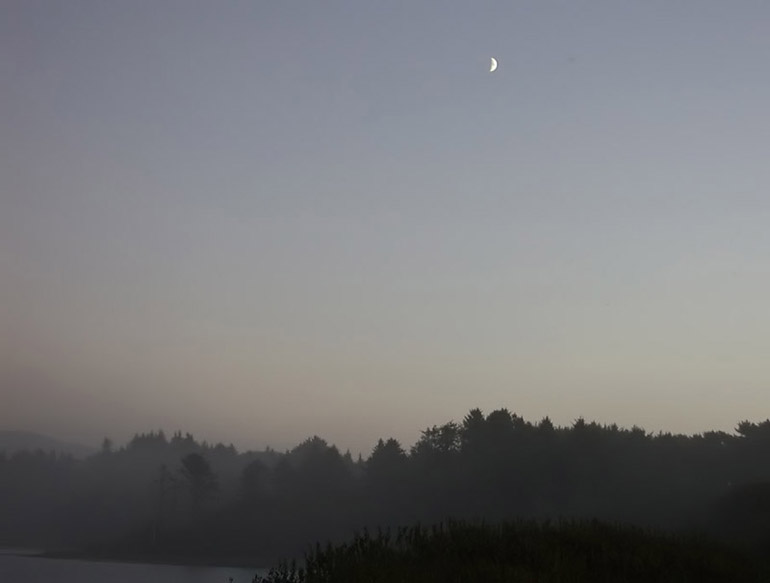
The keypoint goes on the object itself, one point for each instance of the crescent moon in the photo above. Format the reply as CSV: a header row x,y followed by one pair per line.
x,y
492,64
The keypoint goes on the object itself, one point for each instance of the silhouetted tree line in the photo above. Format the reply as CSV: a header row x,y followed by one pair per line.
x,y
152,483
178,497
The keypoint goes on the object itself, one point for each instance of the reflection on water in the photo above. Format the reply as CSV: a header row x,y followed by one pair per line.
x,y
31,569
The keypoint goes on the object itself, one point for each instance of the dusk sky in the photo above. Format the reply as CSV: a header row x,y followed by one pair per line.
x,y
259,221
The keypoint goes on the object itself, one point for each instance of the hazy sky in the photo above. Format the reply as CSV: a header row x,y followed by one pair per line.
x,y
258,221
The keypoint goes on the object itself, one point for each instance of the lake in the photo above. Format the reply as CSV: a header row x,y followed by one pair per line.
x,y
31,569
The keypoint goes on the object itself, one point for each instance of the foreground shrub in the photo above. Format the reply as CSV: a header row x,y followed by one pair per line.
x,y
521,552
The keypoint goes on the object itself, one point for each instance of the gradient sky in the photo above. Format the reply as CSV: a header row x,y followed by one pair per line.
x,y
258,221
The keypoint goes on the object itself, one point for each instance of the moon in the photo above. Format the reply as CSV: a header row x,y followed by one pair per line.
x,y
492,65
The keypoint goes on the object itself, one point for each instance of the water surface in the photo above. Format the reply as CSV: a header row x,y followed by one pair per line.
x,y
31,569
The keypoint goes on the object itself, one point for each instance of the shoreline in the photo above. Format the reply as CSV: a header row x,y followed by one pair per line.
x,y
20,552
148,559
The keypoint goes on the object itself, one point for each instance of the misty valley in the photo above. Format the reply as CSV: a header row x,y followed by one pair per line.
x,y
324,226
494,497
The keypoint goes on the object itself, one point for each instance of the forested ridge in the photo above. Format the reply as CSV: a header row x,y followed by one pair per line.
x,y
177,497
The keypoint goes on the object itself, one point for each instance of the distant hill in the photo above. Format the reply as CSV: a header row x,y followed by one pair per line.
x,y
13,441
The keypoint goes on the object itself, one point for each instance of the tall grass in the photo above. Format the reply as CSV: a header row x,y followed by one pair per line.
x,y
521,552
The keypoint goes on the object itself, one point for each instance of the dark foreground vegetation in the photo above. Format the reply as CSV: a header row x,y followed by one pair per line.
x,y
162,498
520,552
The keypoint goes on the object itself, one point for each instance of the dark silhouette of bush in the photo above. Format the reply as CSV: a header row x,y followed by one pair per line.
x,y
568,551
